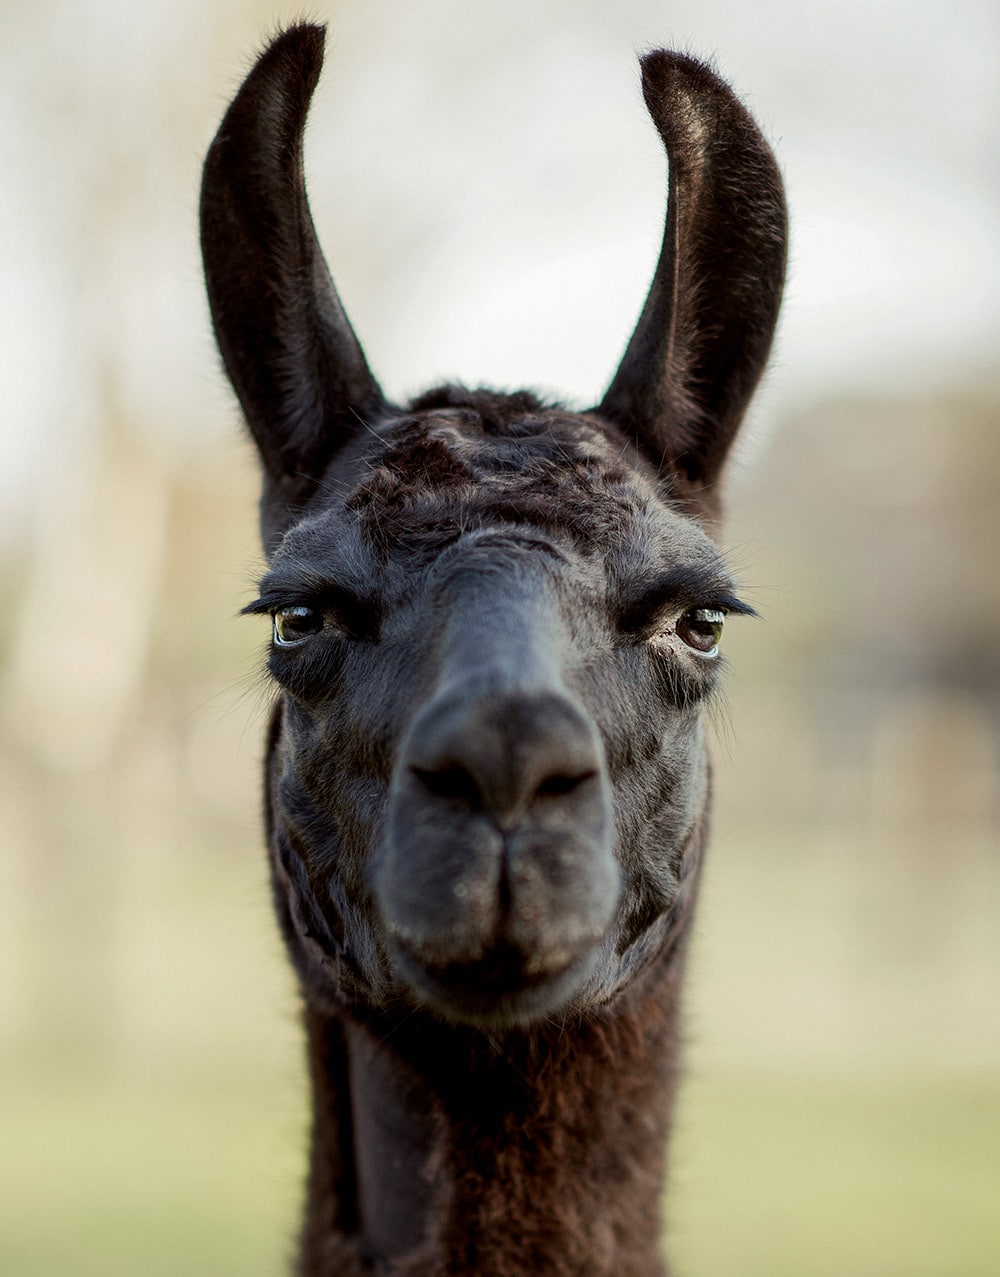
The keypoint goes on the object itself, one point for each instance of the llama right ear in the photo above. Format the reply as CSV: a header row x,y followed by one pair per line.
x,y
703,338
289,350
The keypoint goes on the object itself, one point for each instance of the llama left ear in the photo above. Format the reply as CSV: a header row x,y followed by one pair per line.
x,y
296,366
704,335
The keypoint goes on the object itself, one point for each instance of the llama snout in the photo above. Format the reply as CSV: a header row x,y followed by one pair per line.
x,y
497,883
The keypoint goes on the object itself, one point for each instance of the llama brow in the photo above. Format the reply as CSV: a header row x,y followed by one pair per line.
x,y
692,585
308,589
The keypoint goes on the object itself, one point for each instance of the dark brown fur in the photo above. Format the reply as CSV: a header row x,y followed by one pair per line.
x,y
487,779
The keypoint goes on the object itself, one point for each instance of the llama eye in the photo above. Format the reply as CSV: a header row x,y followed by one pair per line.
x,y
295,624
701,629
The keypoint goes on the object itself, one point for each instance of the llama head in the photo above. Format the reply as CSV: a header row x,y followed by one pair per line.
x,y
495,621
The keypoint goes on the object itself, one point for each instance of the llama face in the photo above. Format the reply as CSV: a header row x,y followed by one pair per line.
x,y
495,622
494,648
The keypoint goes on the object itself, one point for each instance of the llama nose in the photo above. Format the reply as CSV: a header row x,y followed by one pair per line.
x,y
504,755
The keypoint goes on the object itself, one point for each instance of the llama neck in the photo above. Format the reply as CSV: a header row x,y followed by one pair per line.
x,y
436,1150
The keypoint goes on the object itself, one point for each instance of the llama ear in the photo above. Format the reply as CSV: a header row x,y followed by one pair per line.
x,y
296,366
703,338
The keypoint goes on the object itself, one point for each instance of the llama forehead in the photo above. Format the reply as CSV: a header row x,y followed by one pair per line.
x,y
449,473
504,451
441,472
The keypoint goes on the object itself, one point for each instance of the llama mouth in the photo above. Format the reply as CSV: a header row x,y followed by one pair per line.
x,y
497,990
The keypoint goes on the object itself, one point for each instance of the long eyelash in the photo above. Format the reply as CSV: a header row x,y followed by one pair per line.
x,y
727,603
263,606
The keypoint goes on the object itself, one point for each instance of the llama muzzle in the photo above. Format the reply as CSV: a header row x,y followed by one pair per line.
x,y
497,883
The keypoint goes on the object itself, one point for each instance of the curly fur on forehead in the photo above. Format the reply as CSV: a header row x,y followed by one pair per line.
x,y
467,458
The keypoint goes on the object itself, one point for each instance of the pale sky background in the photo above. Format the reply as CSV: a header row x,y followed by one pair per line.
x,y
489,192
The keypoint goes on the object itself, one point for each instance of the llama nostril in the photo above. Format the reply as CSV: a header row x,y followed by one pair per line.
x,y
504,754
458,784
558,786
449,782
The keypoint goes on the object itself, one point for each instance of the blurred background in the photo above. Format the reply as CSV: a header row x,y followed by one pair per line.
x,y
490,194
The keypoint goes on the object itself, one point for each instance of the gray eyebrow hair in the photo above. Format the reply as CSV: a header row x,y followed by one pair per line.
x,y
300,582
706,585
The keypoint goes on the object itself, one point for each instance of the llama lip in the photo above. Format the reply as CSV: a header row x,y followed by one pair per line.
x,y
495,990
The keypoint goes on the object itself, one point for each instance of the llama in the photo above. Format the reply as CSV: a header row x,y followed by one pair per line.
x,y
495,630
